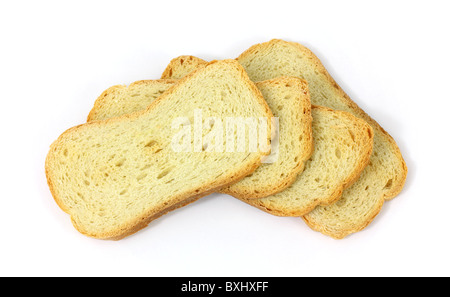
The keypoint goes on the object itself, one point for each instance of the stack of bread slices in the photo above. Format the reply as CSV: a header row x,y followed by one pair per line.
x,y
157,145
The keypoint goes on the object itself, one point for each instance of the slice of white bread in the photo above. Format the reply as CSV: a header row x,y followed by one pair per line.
x,y
180,66
288,99
115,176
386,172
138,96
342,148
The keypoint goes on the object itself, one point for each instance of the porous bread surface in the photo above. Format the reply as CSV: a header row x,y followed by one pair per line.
x,y
288,98
360,203
342,149
114,176
180,66
385,175
138,96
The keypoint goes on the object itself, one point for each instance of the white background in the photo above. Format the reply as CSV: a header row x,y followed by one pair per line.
x,y
56,57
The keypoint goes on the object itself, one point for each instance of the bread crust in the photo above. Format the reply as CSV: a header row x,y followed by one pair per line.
x,y
173,69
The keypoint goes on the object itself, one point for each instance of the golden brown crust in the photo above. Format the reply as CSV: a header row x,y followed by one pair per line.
x,y
176,201
175,64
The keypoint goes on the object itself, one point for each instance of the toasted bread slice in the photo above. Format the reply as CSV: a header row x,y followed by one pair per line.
x,y
386,172
342,148
115,176
288,99
180,66
138,96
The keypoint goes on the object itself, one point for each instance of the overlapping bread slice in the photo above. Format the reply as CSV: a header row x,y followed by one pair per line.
x,y
138,96
115,176
121,100
288,99
342,148
386,172
180,66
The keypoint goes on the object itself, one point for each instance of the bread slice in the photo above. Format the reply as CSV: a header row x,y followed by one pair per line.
x,y
342,148
288,99
138,96
180,66
115,176
386,172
